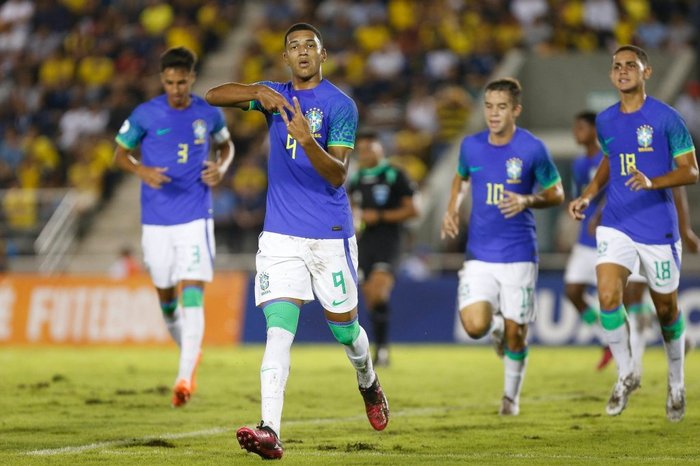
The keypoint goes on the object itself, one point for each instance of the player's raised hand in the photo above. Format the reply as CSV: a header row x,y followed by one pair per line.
x,y
512,204
153,176
450,225
212,173
273,101
297,126
638,181
577,206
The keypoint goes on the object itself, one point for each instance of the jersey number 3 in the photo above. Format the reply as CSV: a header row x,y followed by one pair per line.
x,y
182,152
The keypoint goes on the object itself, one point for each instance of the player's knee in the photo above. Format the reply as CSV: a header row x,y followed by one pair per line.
x,y
609,297
345,332
474,325
282,314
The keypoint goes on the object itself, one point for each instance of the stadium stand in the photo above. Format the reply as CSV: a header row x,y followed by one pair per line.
x,y
415,69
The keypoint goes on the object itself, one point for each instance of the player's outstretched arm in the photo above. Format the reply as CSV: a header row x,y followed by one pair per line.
x,y
153,176
450,222
691,242
686,172
513,203
240,95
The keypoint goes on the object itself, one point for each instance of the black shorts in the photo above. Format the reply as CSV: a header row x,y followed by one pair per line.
x,y
377,253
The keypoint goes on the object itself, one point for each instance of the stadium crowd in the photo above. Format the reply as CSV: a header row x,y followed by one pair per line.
x,y
70,73
72,70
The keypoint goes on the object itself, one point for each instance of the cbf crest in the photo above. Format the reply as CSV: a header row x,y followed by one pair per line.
x,y
199,128
264,281
645,138
315,118
514,170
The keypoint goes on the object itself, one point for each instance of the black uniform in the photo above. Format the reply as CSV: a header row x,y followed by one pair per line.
x,y
382,188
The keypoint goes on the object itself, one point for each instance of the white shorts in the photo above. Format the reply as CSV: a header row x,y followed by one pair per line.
x,y
509,287
179,252
659,263
294,267
580,268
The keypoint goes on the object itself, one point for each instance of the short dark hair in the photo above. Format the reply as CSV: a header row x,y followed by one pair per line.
x,y
509,85
641,54
302,27
178,57
587,115
366,133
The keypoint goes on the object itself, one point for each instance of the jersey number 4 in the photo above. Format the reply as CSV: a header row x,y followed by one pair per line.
x,y
292,144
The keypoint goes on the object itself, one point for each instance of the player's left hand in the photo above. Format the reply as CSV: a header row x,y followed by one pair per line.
x,y
638,181
691,242
212,173
297,126
512,204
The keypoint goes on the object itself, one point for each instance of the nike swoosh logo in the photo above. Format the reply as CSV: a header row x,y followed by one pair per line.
x,y
608,140
475,169
338,303
162,131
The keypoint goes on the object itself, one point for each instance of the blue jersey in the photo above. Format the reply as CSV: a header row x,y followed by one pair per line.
x,y
647,140
179,140
300,202
517,167
583,170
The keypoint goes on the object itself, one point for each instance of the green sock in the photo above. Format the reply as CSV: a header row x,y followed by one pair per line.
x,y
590,315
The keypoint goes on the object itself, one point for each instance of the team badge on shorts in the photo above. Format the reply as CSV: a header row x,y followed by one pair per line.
x,y
645,137
264,280
514,170
602,248
315,118
199,127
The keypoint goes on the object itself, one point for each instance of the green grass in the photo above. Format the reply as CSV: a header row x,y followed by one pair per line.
x,y
112,406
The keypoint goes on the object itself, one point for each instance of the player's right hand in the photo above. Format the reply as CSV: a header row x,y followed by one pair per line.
x,y
450,225
273,101
577,206
153,176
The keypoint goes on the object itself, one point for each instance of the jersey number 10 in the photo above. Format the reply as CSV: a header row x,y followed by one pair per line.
x,y
494,193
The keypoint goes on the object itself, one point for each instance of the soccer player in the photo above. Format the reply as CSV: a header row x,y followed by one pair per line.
x,y
580,268
504,165
648,150
308,244
382,197
175,130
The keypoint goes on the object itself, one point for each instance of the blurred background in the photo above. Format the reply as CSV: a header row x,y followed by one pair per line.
x,y
71,71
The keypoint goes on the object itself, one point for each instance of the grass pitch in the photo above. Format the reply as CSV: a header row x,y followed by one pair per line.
x,y
78,406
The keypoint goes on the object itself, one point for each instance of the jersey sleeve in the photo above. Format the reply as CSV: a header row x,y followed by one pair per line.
x,y
602,140
679,139
463,163
254,104
131,132
546,172
343,125
219,131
